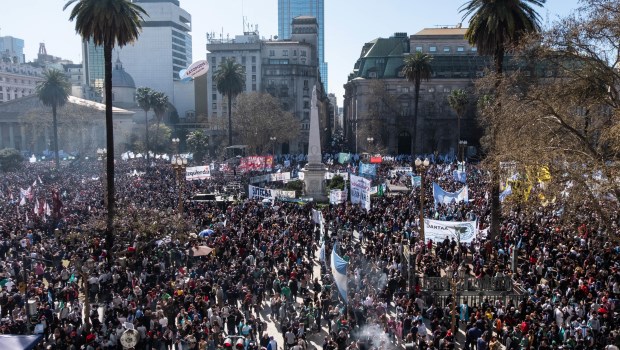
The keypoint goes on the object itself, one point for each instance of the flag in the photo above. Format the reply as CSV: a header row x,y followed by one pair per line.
x,y
72,278
22,201
36,206
39,178
47,209
416,181
507,192
339,272
344,158
322,252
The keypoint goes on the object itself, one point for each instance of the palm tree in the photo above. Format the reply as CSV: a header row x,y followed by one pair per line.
x,y
54,92
230,80
159,103
417,68
144,98
458,101
107,23
494,26
498,24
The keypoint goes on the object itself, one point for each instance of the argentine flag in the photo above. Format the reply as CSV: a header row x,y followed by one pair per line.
x,y
339,271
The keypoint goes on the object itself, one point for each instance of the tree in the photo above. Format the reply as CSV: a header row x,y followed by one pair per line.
x,y
53,92
494,27
10,159
107,23
259,117
144,96
159,102
458,101
198,143
563,116
162,140
230,82
417,68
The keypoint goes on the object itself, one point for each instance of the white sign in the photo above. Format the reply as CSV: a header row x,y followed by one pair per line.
x,y
360,191
337,196
439,230
271,177
197,69
198,173
330,175
262,193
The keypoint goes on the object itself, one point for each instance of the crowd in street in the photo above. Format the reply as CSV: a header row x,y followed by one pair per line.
x,y
264,268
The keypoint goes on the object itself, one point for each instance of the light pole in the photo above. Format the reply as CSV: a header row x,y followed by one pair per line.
x,y
179,164
273,141
462,148
175,143
102,154
421,166
84,268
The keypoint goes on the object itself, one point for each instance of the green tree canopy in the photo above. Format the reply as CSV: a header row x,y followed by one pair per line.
x,y
53,92
230,81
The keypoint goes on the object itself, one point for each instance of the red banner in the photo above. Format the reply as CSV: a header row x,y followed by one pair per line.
x,y
375,160
256,163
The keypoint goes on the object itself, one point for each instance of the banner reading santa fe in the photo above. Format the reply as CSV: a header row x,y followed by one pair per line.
x,y
439,230
198,173
360,191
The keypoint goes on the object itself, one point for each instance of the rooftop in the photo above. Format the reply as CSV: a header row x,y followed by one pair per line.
x,y
441,31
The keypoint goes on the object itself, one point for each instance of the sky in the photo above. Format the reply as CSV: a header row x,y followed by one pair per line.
x,y
348,25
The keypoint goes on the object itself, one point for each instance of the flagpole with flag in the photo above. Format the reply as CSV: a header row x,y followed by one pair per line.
x,y
339,272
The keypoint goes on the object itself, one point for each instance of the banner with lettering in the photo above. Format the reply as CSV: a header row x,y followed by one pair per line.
x,y
271,177
443,197
337,196
437,231
263,193
330,175
256,163
360,191
197,173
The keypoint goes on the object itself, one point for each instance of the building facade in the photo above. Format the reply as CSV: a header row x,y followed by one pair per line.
x,y
12,50
379,101
18,80
286,69
163,48
289,9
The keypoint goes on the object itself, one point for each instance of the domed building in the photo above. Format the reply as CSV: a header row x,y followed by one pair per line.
x,y
123,88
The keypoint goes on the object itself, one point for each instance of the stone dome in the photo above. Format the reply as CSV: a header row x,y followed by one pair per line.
x,y
120,78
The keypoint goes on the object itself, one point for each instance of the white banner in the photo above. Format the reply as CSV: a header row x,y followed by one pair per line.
x,y
271,177
197,173
258,192
337,196
401,169
443,197
330,175
439,230
360,191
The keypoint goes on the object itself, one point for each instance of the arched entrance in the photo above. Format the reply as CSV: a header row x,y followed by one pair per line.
x,y
404,142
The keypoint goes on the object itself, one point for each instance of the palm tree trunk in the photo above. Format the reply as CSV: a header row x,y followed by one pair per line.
x,y
416,100
157,132
146,123
109,128
229,119
55,126
458,137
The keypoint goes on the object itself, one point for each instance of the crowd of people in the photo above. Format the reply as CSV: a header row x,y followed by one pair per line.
x,y
262,283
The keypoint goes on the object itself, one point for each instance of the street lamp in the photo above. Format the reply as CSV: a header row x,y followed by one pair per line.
x,y
273,141
179,164
462,148
421,167
175,143
102,154
370,140
84,268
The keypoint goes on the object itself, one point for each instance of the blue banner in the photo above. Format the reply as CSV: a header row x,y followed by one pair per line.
x,y
368,169
459,176
416,181
443,197
344,158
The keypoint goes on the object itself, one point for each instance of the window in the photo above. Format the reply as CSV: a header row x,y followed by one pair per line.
x,y
253,59
306,104
285,53
418,49
372,74
214,97
214,61
432,89
432,49
303,53
222,59
446,49
305,84
253,87
242,59
460,49
214,105
253,69
272,53
294,52
446,89
253,78
474,49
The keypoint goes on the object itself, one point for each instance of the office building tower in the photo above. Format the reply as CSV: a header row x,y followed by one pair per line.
x,y
289,9
11,50
163,48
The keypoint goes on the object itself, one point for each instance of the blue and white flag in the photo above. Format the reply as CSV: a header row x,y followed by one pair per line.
x,y
459,176
339,271
416,181
505,193
443,197
368,169
322,252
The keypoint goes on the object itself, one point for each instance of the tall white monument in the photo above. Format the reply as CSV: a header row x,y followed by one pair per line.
x,y
314,171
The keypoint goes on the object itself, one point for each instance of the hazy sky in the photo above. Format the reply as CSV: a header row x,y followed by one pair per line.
x,y
348,25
